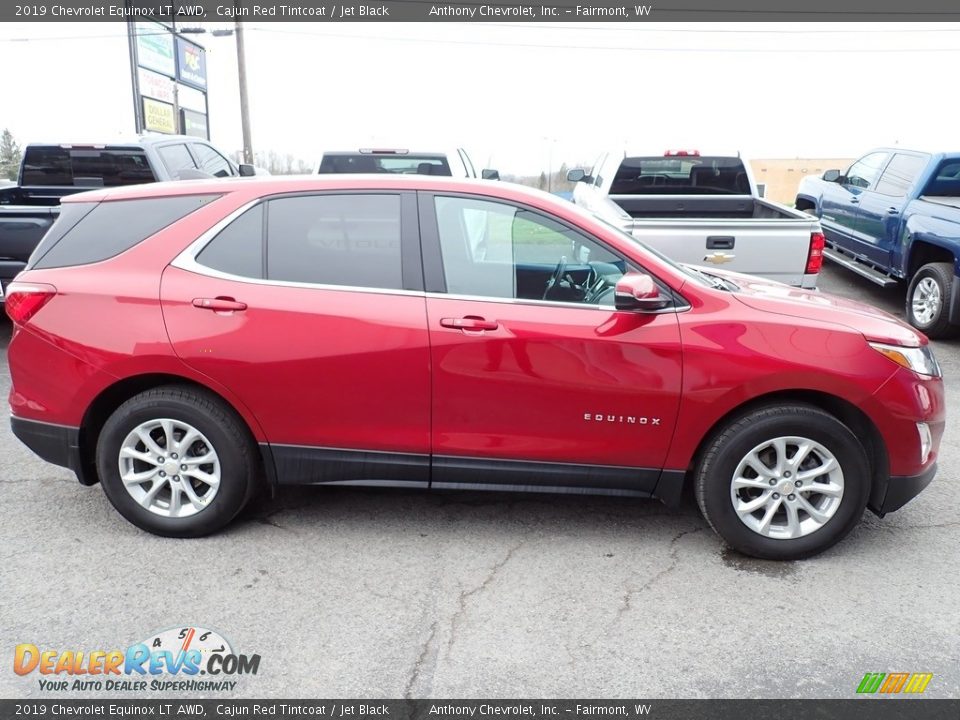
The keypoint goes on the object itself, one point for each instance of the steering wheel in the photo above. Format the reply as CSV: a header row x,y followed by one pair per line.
x,y
557,275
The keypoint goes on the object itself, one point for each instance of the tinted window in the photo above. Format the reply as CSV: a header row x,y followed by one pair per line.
x,y
864,172
238,248
85,166
335,240
212,162
176,158
493,249
112,227
420,164
681,175
900,174
945,181
70,214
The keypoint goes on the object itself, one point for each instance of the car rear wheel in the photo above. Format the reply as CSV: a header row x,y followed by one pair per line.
x,y
928,300
783,483
176,462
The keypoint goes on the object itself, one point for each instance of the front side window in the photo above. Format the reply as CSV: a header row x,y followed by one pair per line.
x,y
498,250
212,162
900,174
865,171
350,240
176,158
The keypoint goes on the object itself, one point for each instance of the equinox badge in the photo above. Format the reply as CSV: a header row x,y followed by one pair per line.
x,y
624,419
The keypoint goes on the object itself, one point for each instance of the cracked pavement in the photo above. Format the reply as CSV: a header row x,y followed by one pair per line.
x,y
387,593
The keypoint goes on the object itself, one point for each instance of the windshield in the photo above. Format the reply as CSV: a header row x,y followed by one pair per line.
x,y
697,276
396,163
686,175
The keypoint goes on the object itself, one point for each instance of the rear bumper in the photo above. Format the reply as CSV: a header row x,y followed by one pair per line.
x,y
57,444
897,491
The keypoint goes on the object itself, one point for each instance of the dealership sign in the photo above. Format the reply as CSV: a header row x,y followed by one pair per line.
x,y
155,48
191,64
170,80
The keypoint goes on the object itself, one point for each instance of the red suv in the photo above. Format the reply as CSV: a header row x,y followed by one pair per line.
x,y
186,344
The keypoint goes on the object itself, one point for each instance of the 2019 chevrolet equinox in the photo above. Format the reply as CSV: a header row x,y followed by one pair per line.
x,y
185,344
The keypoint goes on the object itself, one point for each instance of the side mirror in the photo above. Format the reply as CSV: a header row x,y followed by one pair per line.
x,y
636,291
489,174
247,170
832,176
578,175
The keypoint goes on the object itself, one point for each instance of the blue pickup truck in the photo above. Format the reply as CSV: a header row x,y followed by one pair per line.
x,y
895,215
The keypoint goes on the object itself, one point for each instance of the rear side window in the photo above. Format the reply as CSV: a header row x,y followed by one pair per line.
x,y
112,227
945,181
681,175
70,215
52,165
351,240
238,248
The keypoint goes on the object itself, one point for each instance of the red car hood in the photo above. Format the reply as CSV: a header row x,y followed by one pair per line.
x,y
875,325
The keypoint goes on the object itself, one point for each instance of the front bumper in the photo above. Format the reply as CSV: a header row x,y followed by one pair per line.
x,y
897,491
57,444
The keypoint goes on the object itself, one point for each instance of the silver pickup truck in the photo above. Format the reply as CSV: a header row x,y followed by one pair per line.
x,y
703,210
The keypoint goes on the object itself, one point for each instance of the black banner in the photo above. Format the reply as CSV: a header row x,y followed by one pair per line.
x,y
428,10
856,709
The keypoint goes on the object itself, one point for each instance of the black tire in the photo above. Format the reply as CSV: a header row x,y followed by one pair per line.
x,y
939,326
220,425
715,472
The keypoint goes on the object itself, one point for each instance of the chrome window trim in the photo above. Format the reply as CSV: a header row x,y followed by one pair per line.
x,y
187,260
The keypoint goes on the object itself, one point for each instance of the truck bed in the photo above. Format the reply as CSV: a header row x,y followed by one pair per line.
x,y
739,207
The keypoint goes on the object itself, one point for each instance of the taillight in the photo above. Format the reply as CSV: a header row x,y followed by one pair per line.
x,y
24,299
815,256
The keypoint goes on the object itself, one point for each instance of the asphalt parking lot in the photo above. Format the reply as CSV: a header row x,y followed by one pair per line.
x,y
370,593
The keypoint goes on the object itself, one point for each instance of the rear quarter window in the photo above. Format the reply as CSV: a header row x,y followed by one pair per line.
x,y
109,228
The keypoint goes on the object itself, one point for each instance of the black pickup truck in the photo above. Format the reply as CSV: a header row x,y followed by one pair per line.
x,y
48,172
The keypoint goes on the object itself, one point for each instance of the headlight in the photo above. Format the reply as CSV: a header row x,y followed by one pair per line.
x,y
918,359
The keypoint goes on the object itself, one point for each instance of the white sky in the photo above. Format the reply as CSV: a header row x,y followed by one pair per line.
x,y
520,97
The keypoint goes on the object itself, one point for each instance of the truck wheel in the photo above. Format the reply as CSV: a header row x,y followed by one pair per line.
x,y
928,300
176,462
783,483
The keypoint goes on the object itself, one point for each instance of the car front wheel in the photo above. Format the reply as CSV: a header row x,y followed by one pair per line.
x,y
783,483
176,462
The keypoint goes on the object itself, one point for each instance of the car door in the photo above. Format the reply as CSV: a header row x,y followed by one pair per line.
x,y
878,225
310,309
840,205
538,382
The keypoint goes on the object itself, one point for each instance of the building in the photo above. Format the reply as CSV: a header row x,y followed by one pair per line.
x,y
777,179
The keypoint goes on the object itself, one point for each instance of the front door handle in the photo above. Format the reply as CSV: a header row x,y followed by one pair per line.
x,y
892,210
470,322
854,201
219,304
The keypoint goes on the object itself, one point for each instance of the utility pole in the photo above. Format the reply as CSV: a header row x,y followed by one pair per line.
x,y
244,105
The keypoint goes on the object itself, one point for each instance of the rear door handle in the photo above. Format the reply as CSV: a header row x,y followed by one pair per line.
x,y
720,242
470,322
893,210
219,304
854,201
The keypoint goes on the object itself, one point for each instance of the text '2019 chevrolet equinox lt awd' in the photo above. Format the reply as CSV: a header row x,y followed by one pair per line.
x,y
184,344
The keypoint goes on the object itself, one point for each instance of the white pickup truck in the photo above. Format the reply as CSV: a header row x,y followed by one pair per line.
x,y
703,210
